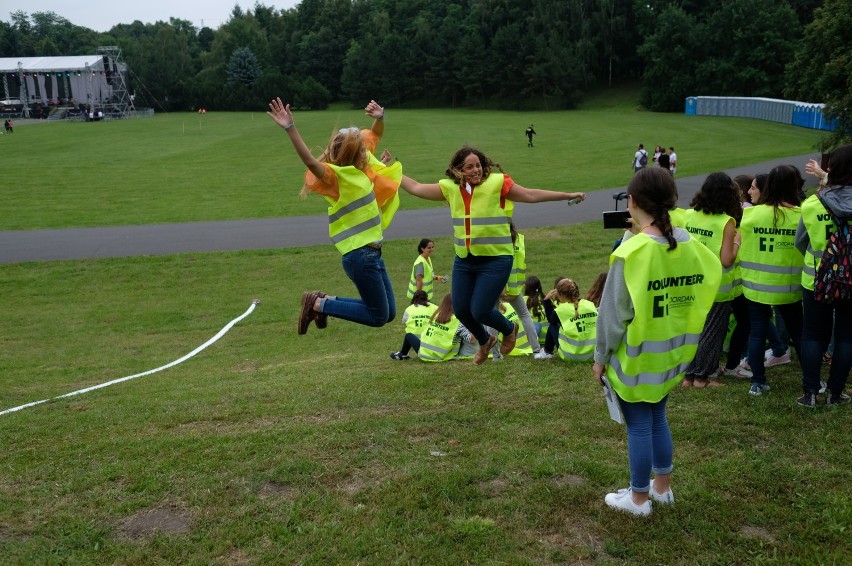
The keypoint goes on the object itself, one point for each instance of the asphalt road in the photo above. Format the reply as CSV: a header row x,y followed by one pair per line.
x,y
18,246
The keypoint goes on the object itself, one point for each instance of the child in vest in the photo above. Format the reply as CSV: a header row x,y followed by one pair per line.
x,y
577,323
415,318
443,339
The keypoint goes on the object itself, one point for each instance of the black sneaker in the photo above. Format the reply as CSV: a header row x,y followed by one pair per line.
x,y
836,399
399,356
807,400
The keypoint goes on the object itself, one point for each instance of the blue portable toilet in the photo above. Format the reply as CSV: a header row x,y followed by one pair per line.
x,y
691,106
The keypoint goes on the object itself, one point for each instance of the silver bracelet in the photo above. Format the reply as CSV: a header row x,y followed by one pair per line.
x,y
290,125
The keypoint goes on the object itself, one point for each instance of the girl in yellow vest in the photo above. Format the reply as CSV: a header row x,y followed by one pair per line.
x,y
513,295
660,287
771,266
481,201
534,298
820,318
415,318
712,220
362,196
422,274
577,323
444,338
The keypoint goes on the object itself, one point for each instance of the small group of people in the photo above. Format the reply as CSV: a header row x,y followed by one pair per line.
x,y
661,158
663,301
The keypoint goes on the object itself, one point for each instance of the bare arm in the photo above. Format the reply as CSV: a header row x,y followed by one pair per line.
x,y
377,113
282,116
728,253
521,194
430,191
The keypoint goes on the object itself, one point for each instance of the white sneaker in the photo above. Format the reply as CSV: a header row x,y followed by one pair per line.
x,y
623,500
542,355
738,371
778,360
666,498
822,387
767,354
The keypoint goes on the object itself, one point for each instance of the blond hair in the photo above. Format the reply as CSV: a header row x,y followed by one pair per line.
x,y
345,147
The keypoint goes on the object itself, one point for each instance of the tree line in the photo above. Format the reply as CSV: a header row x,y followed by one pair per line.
x,y
508,54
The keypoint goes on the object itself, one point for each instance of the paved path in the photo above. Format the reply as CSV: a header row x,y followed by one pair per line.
x,y
296,231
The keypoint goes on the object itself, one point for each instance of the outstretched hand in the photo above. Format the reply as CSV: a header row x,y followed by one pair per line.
x,y
373,110
280,113
386,158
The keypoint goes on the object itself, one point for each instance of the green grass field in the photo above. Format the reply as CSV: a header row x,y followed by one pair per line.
x,y
225,166
270,448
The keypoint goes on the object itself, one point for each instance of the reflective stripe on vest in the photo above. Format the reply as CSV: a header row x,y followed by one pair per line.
x,y
428,277
518,276
488,223
709,229
522,344
578,331
770,264
437,341
354,220
672,292
818,223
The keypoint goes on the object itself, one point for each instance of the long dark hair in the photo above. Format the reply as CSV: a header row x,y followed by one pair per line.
x,y
840,166
420,297
535,294
454,171
782,185
718,195
743,184
596,290
653,190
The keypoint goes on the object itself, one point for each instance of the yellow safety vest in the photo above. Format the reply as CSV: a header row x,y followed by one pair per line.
x,y
770,264
820,227
436,342
522,345
355,219
428,277
518,276
418,317
486,228
709,229
578,332
542,334
677,217
672,292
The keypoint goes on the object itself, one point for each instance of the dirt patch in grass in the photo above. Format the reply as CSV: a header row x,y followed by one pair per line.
x,y
279,491
7,535
149,522
568,480
236,556
757,532
575,544
494,487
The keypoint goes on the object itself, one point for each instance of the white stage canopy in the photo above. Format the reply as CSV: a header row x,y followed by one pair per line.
x,y
85,78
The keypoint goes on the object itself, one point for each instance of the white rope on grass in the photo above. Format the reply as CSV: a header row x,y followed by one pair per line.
x,y
221,333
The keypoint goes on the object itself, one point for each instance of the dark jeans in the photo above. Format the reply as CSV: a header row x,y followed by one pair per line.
x,y
759,315
739,337
477,284
819,321
377,305
410,341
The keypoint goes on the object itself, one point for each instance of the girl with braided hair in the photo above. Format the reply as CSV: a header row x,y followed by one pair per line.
x,y
660,286
577,323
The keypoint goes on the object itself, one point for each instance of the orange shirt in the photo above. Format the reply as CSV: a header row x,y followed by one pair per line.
x,y
327,186
504,190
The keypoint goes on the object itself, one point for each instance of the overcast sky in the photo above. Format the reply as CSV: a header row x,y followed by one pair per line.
x,y
101,15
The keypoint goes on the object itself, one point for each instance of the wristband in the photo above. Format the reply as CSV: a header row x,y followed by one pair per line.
x,y
290,126
382,117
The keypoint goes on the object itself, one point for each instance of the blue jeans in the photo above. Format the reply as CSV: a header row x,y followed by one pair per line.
x,y
819,321
478,282
759,316
377,305
649,441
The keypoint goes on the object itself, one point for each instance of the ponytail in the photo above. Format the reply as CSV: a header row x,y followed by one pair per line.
x,y
663,221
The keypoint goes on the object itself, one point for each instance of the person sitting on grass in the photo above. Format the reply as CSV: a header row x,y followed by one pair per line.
x,y
444,339
415,318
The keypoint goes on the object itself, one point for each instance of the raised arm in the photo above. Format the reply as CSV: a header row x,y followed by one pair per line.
x,y
430,191
521,194
377,113
282,116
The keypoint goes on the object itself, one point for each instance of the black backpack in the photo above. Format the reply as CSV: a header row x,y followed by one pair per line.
x,y
643,159
833,278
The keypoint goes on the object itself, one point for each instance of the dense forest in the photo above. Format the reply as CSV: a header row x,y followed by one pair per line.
x,y
512,54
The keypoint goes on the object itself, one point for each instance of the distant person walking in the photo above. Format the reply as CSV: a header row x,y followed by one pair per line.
x,y
640,159
672,161
530,132
9,127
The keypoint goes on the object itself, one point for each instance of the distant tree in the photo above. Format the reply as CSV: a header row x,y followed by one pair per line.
x,y
822,68
243,68
205,38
